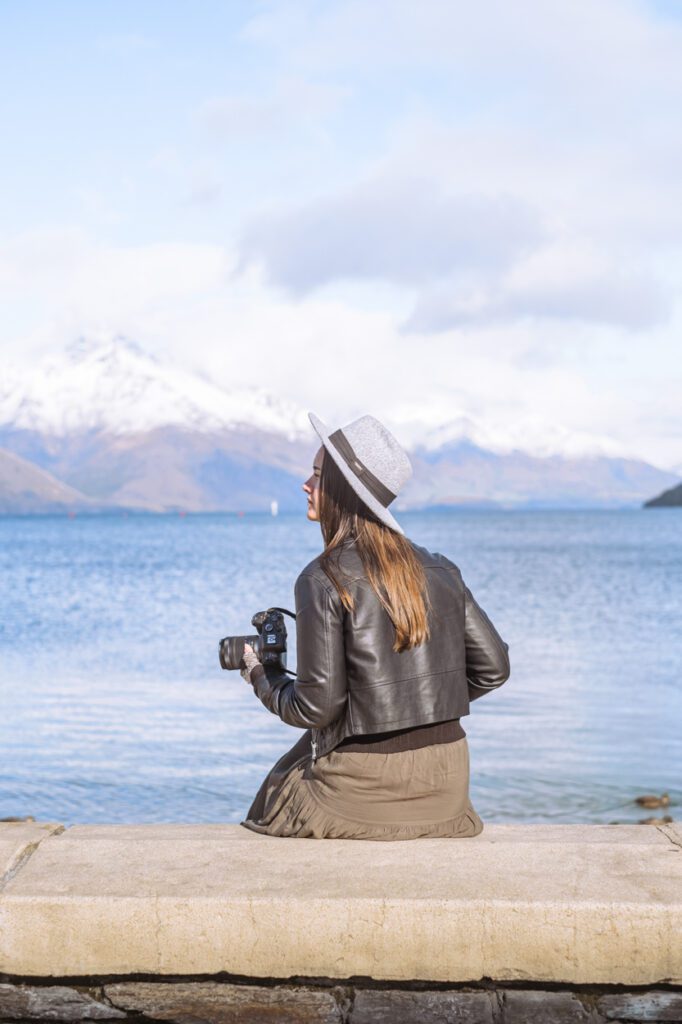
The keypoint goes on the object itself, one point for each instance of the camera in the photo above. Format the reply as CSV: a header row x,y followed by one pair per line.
x,y
269,644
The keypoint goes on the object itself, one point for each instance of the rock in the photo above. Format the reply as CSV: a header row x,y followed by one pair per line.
x,y
533,1007
653,1005
52,1002
222,1003
374,1006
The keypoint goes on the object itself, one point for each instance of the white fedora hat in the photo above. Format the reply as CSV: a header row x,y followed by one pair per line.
x,y
371,460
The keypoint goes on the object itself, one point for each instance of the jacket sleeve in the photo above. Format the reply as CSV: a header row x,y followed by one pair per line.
x,y
487,657
317,694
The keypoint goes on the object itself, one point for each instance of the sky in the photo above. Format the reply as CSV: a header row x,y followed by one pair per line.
x,y
440,213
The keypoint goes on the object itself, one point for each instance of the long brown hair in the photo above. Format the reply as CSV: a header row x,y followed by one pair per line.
x,y
393,569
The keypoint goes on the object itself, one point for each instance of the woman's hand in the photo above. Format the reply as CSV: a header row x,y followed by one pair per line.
x,y
250,661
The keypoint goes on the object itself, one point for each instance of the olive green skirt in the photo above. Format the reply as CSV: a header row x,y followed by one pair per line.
x,y
408,794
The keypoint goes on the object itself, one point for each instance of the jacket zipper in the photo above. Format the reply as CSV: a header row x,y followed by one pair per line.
x,y
313,743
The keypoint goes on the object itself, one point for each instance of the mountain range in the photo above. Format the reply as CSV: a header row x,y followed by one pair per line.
x,y
104,426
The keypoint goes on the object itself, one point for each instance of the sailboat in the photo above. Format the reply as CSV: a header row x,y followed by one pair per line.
x,y
274,507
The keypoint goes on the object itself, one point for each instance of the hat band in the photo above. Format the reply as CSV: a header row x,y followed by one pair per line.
x,y
364,475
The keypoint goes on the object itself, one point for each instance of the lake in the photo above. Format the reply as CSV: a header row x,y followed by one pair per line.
x,y
114,707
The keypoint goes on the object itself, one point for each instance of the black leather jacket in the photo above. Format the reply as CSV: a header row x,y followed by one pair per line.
x,y
350,680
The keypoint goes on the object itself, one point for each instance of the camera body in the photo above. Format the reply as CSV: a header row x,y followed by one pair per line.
x,y
269,644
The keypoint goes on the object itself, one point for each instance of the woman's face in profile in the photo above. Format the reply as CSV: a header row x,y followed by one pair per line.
x,y
312,487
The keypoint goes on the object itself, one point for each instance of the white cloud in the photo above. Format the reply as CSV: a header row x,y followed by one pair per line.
x,y
291,103
406,232
459,210
533,290
339,360
472,258
596,55
557,113
75,285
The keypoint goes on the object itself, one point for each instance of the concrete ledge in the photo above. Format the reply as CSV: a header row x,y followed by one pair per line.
x,y
574,904
18,841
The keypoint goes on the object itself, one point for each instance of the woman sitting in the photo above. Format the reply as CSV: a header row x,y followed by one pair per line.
x,y
391,649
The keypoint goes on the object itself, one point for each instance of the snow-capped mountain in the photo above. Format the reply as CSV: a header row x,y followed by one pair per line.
x,y
530,435
118,428
113,385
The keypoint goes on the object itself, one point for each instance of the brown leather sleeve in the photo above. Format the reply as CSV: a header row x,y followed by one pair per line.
x,y
317,694
487,654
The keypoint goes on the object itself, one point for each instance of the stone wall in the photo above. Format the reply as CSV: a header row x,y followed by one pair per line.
x,y
225,1002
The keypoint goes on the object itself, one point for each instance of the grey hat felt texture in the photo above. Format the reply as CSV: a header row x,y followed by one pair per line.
x,y
372,461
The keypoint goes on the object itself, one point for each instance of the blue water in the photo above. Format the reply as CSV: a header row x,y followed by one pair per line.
x,y
113,707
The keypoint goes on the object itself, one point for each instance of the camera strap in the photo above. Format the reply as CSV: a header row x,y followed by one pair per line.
x,y
285,610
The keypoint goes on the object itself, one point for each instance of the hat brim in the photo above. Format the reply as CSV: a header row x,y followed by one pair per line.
x,y
379,510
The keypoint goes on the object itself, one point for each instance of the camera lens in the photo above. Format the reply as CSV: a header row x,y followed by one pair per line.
x,y
231,650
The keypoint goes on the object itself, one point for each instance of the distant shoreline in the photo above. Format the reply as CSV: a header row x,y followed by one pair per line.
x,y
72,514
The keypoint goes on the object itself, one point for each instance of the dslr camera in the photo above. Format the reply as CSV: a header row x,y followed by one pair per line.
x,y
269,644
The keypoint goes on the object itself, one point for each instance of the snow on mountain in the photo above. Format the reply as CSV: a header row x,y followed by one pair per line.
x,y
530,435
113,427
114,385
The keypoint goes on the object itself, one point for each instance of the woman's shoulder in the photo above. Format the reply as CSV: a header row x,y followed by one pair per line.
x,y
346,566
313,568
433,559
350,563
345,556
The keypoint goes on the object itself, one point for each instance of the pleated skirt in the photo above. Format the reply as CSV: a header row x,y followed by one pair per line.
x,y
409,794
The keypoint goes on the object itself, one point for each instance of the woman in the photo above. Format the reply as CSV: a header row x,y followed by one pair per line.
x,y
391,649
